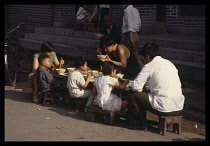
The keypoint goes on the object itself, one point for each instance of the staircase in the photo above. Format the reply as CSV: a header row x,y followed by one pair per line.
x,y
186,52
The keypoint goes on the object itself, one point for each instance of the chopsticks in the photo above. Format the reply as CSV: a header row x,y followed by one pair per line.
x,y
61,65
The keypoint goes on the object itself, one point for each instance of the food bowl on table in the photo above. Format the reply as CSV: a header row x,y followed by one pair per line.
x,y
101,56
95,72
70,69
119,75
60,71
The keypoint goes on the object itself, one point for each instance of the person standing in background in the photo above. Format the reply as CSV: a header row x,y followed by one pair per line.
x,y
130,28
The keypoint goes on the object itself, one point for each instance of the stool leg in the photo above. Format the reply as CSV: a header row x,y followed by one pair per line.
x,y
160,125
52,99
179,126
164,128
92,28
84,26
45,96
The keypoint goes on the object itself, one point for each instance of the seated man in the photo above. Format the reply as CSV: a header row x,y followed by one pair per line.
x,y
109,29
82,15
165,96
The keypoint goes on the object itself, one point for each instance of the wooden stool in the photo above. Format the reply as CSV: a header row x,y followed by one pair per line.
x,y
89,26
164,121
94,110
47,96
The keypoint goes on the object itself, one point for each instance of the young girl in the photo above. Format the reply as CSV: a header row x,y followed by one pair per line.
x,y
103,86
76,83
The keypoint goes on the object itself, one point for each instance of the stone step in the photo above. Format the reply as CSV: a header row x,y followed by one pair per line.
x,y
186,42
68,32
62,49
186,69
169,53
189,70
182,55
80,42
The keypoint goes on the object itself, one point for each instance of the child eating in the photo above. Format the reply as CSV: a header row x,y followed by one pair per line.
x,y
76,83
103,86
45,80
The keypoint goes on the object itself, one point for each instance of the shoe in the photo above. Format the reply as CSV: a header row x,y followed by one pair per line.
x,y
35,99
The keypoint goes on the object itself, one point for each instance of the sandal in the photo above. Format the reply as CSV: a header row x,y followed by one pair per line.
x,y
35,99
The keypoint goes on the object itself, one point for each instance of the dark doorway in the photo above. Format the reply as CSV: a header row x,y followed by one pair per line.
x,y
161,13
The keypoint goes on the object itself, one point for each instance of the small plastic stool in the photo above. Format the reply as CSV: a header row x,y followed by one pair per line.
x,y
164,121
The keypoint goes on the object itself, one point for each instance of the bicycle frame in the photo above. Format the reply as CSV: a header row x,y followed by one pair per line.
x,y
11,60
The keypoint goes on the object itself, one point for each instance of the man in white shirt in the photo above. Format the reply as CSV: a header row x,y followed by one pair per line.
x,y
82,15
165,96
130,28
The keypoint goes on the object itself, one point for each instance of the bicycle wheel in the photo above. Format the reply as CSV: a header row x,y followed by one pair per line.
x,y
24,61
10,66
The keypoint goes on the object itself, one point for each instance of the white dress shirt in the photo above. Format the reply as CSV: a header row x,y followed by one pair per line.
x,y
80,14
165,87
104,6
131,20
75,83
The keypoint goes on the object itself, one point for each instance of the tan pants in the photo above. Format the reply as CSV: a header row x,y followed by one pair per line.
x,y
134,50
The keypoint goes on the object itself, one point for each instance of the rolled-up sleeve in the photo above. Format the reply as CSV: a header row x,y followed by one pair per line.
x,y
140,80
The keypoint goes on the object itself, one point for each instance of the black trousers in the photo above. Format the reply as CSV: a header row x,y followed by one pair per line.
x,y
138,104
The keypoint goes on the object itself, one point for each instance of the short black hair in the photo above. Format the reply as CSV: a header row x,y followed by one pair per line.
x,y
108,67
42,58
79,61
47,47
108,40
150,49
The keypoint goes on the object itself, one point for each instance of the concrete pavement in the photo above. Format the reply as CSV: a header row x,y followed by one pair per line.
x,y
27,121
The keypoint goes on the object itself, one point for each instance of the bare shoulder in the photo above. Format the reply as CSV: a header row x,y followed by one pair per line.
x,y
123,50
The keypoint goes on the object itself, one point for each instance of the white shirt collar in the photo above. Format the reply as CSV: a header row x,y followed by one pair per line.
x,y
130,6
109,30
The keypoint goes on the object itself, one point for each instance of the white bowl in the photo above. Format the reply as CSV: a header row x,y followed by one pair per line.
x,y
119,75
95,72
101,56
60,71
71,69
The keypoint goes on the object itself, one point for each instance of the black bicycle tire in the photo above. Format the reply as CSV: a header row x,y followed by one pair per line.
x,y
11,78
25,61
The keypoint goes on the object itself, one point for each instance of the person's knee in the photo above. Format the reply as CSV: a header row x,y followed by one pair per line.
x,y
140,97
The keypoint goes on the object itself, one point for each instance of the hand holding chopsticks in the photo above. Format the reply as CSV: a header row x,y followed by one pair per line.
x,y
61,63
